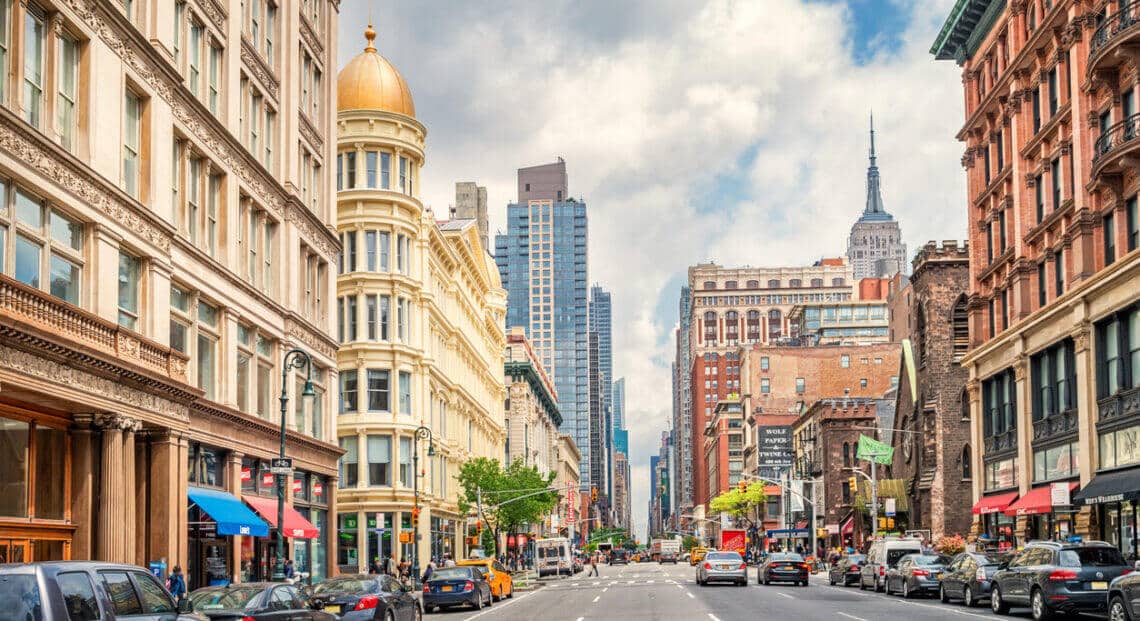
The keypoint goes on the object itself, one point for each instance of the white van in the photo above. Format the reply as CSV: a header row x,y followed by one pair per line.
x,y
554,556
883,555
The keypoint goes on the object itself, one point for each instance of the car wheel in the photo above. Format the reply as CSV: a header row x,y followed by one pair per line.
x,y
830,580
1117,610
968,597
906,589
880,587
1041,610
942,597
389,616
511,592
997,604
886,586
862,585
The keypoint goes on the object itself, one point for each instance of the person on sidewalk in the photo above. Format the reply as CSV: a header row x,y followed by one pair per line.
x,y
593,566
391,567
176,584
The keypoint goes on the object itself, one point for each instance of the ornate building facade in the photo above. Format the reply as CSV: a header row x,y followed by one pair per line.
x,y
419,317
165,240
1054,361
875,248
532,406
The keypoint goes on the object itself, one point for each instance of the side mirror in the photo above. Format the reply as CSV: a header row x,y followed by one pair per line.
x,y
185,605
1004,565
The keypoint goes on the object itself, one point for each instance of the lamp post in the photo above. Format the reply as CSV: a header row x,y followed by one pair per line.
x,y
294,359
420,433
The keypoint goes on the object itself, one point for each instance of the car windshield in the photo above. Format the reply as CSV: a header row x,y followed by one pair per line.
x,y
893,556
227,599
452,573
348,585
931,559
724,556
990,559
1091,557
786,557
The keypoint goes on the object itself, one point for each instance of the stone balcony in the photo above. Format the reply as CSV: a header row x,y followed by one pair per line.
x,y
29,314
1117,148
1115,41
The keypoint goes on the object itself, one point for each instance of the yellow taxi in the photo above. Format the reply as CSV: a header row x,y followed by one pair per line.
x,y
498,577
697,555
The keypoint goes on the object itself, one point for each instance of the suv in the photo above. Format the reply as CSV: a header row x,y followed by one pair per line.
x,y
84,591
1052,577
885,554
619,557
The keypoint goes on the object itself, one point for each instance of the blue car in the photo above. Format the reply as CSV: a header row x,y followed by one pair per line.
x,y
456,586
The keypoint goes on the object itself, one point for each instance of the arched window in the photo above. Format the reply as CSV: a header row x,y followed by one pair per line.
x,y
710,326
754,284
920,334
775,324
846,454
710,284
730,284
967,470
774,284
965,405
753,325
960,328
732,325
795,283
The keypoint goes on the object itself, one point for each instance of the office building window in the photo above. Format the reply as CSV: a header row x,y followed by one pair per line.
x,y
194,331
1118,352
844,361
379,460
349,463
1039,194
1133,217
1108,232
1059,271
1053,380
1042,286
348,391
39,245
35,34
243,376
132,143
406,461
379,390
67,115
800,385
265,376
129,274
1055,177
405,387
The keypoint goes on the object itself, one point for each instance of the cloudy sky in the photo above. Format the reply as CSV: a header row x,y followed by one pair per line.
x,y
726,130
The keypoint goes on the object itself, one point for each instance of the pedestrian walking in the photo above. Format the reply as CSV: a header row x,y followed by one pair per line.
x,y
391,568
375,568
448,561
176,584
593,566
289,571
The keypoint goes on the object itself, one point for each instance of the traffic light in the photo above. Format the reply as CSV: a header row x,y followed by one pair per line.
x,y
594,495
742,485
853,485
479,527
415,517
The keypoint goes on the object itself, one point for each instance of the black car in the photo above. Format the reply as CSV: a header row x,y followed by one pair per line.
x,y
916,573
256,601
1051,577
463,585
1124,598
783,568
84,590
363,597
969,577
845,571
619,557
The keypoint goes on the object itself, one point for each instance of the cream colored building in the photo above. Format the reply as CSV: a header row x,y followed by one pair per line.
x,y
568,457
420,313
165,238
532,406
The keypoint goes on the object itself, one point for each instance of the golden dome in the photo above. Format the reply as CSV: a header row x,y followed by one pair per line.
x,y
370,82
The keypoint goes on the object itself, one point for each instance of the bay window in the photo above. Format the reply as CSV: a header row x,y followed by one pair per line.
x,y
349,463
378,387
379,460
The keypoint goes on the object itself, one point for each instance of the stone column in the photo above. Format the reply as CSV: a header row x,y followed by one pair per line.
x,y
167,508
127,494
1024,423
83,486
109,537
331,526
142,499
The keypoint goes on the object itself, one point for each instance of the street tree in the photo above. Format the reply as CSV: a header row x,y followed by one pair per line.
x,y
740,503
512,496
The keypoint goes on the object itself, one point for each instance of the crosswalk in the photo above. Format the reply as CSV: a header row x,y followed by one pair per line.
x,y
580,583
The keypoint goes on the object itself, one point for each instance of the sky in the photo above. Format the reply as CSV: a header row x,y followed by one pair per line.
x,y
732,131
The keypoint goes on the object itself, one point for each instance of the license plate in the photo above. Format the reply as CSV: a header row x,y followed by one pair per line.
x,y
446,588
939,576
332,609
1099,586
789,566
725,566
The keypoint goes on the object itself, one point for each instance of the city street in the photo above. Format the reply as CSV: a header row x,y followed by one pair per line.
x,y
651,591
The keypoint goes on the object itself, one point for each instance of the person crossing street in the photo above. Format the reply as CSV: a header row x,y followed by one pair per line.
x,y
593,565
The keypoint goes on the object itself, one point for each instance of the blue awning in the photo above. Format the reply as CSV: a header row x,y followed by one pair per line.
x,y
230,513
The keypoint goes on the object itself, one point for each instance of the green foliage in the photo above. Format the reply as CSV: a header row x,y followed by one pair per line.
x,y
505,510
488,542
689,542
737,503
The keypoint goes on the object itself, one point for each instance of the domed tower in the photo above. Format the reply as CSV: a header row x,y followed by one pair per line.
x,y
420,314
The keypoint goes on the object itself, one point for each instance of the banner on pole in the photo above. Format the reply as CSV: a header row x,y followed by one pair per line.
x,y
871,449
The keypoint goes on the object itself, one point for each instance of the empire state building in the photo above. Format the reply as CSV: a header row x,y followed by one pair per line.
x,y
875,248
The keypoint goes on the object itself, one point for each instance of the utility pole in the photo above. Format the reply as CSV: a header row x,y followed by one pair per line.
x,y
874,500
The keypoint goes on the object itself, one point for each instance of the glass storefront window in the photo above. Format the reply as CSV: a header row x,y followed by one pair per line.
x,y
348,550
49,476
206,465
319,518
301,486
1057,462
379,536
14,474
1120,447
249,475
266,482
1000,474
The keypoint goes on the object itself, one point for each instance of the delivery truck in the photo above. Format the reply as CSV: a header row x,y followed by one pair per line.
x,y
668,551
733,540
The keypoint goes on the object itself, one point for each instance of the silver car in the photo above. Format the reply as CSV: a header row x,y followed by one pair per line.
x,y
722,567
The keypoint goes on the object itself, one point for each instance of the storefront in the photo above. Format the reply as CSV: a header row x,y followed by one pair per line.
x,y
35,508
1115,497
442,538
1048,512
257,553
216,516
296,527
310,501
996,527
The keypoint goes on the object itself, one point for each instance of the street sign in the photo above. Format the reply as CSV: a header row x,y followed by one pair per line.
x,y
890,507
774,446
281,465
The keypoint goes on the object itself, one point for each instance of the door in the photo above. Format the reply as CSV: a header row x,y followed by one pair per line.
x,y
950,576
281,605
15,551
400,600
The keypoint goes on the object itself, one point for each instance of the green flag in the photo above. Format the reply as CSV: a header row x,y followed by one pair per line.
x,y
871,449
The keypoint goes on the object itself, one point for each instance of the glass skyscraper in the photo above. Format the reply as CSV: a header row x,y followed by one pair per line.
x,y
542,263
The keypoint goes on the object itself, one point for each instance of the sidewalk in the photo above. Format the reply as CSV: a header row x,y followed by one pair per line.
x,y
525,580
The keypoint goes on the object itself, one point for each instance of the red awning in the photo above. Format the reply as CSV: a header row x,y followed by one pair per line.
x,y
995,503
801,524
1038,500
296,526
848,526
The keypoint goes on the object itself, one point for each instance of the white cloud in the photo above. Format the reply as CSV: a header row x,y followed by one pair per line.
x,y
650,106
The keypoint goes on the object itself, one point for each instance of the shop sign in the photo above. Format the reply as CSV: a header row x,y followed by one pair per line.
x,y
318,488
246,474
1059,494
267,478
297,486
510,541
890,507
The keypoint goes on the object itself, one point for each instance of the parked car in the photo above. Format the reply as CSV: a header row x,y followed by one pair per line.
x,y
883,555
845,571
366,596
256,601
916,574
968,577
1051,577
781,567
1124,597
499,577
85,590
456,586
723,567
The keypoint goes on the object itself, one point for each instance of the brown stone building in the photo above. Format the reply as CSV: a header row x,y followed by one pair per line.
x,y
1052,177
932,433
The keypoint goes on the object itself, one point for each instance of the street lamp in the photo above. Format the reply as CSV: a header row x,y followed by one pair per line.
x,y
294,359
420,433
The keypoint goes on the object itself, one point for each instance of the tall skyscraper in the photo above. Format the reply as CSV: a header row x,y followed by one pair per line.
x,y
617,403
682,460
542,263
601,321
875,248
471,204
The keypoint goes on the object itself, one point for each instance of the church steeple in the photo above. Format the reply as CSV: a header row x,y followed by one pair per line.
x,y
874,208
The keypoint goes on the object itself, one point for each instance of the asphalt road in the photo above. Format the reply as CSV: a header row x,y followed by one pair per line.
x,y
647,591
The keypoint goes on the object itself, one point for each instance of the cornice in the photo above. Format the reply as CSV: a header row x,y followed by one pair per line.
x,y
310,134
260,70
309,36
304,331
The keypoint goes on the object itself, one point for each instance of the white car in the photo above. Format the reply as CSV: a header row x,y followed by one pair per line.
x,y
721,566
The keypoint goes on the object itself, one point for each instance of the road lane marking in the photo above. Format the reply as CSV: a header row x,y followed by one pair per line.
x,y
501,606
713,617
596,583
596,599
679,586
844,614
784,595
605,589
690,595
